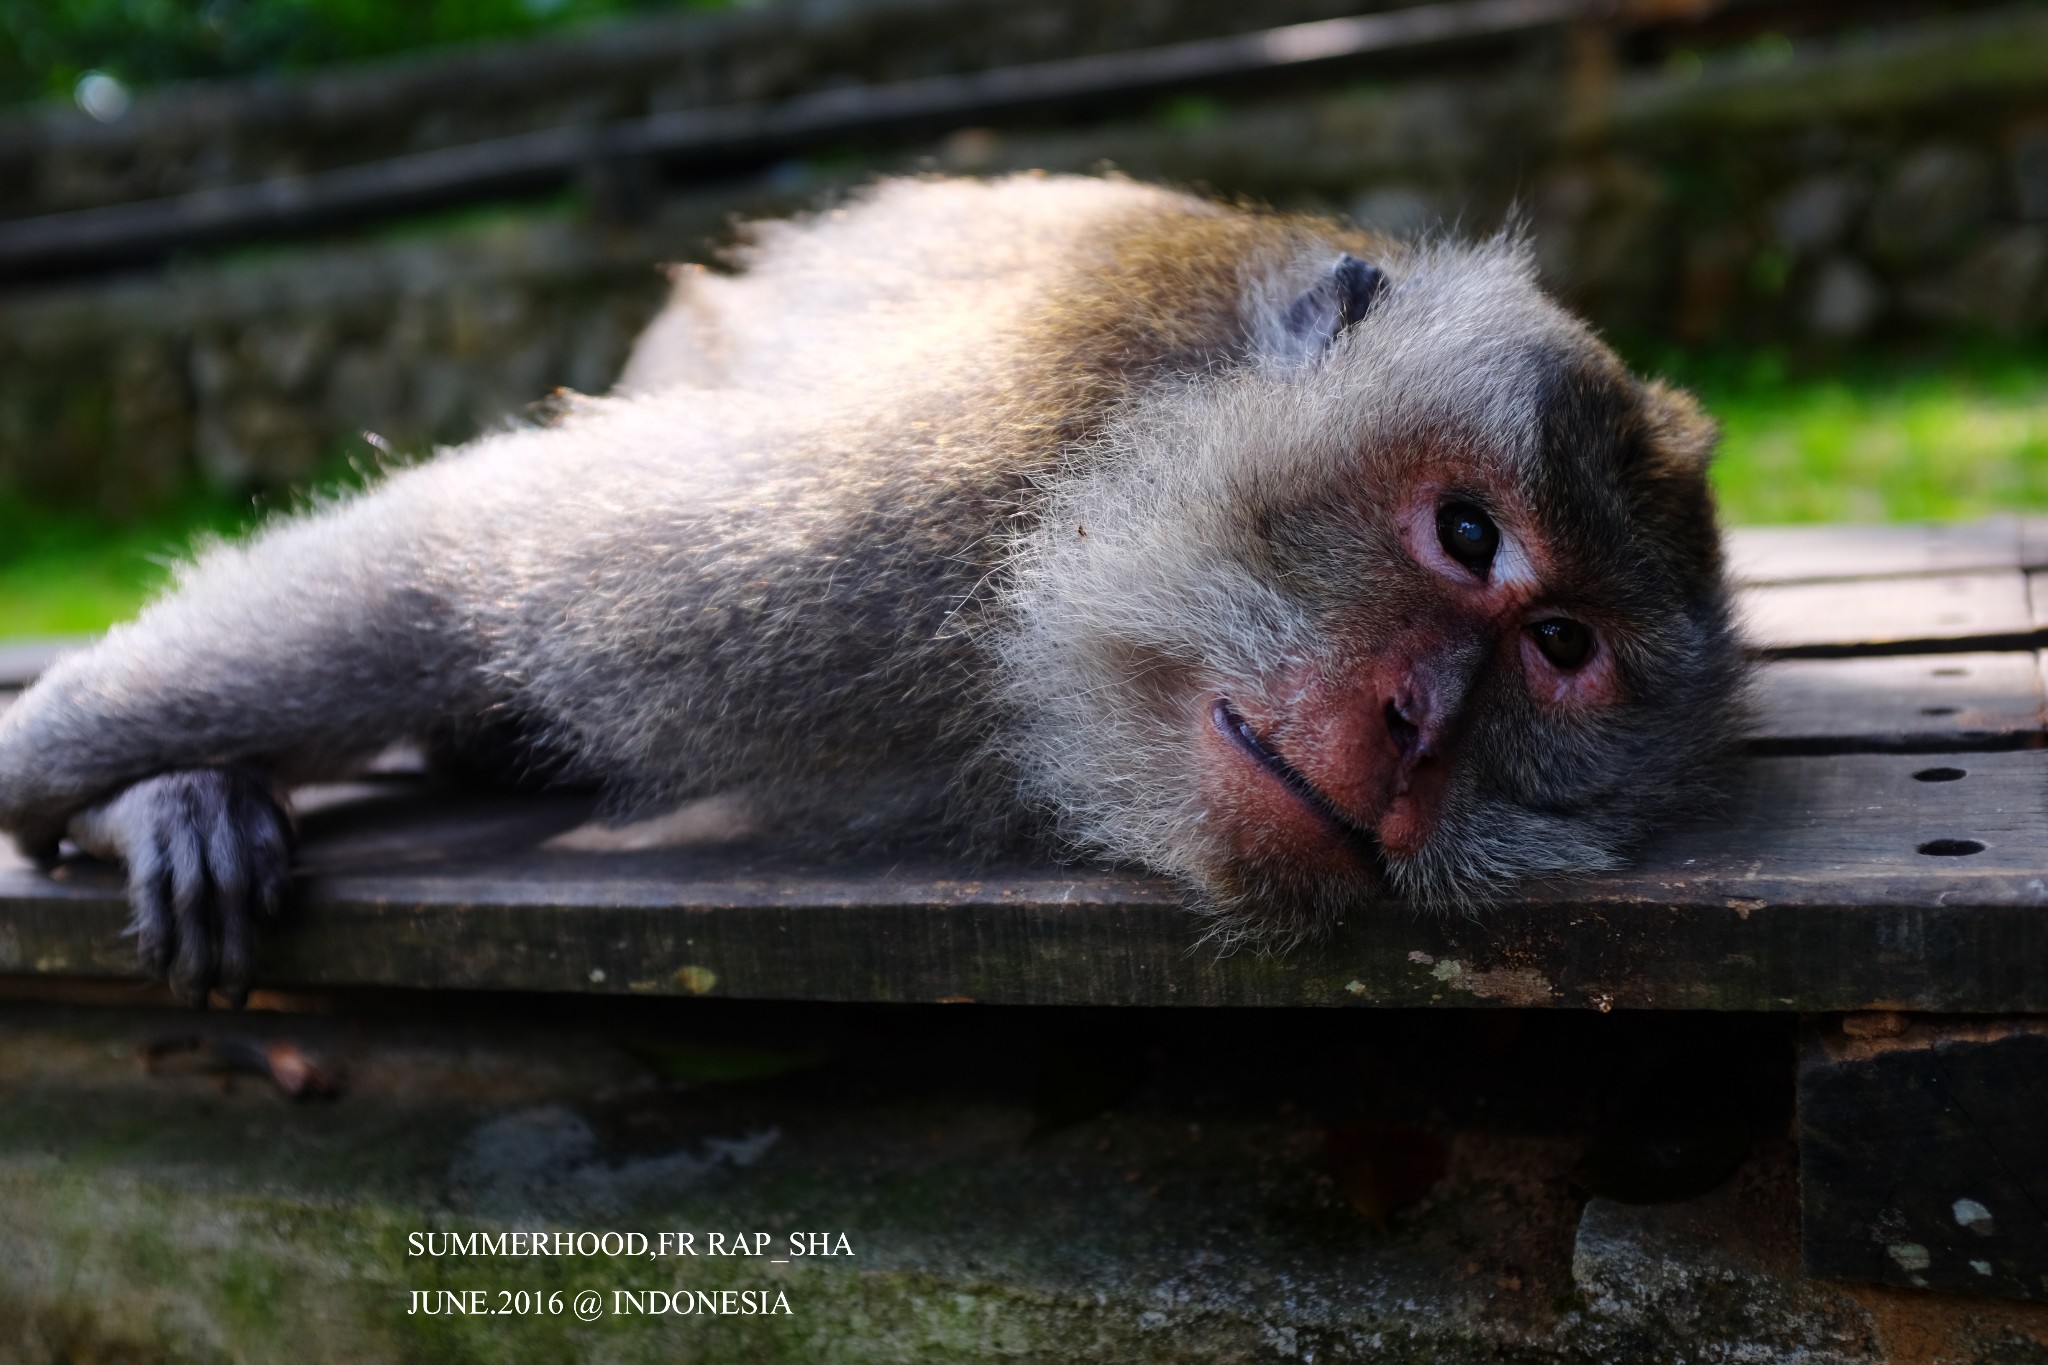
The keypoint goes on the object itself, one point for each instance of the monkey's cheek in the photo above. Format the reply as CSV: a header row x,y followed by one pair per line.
x,y
1257,821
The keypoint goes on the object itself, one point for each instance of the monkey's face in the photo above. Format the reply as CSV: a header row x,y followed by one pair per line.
x,y
1432,607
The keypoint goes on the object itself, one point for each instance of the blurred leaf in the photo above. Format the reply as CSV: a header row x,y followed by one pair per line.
x,y
1953,434
1191,113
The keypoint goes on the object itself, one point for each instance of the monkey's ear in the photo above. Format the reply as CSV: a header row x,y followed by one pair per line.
x,y
1334,302
1680,436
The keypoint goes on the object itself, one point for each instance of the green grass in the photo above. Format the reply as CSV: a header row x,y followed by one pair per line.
x,y
1878,440
1863,439
64,573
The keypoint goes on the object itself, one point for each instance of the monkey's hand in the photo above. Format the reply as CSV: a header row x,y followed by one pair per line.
x,y
208,851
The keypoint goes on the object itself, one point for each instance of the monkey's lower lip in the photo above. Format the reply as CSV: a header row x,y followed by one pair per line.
x,y
1239,732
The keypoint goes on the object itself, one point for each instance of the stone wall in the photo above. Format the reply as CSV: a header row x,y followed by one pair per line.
x,y
1889,181
259,372
1887,184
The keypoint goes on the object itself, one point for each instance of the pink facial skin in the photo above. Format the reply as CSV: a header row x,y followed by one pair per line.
x,y
1511,599
1328,752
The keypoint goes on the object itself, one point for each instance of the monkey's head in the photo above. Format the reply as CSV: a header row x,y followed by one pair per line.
x,y
1423,597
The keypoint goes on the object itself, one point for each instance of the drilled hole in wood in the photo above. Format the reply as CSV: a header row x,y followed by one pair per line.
x,y
1937,710
1951,672
1939,774
1951,848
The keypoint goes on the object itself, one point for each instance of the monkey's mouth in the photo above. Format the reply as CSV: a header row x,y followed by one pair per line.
x,y
1239,732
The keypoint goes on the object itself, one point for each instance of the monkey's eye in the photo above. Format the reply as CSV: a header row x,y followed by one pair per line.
x,y
1567,644
1468,535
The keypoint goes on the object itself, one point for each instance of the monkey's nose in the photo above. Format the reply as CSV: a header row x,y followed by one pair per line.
x,y
1416,726
1406,734
1413,719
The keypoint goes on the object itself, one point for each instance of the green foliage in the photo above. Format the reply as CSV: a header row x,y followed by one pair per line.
x,y
1863,438
68,571
46,45
1190,114
65,572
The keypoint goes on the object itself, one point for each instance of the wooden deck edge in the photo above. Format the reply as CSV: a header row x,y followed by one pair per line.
x,y
1978,954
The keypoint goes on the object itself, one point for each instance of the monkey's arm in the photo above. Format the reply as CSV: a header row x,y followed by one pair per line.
x,y
164,745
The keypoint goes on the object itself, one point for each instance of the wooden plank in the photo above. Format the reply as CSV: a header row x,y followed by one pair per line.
x,y
1817,554
1911,703
1922,1155
1810,893
2034,542
2037,598
22,660
1890,616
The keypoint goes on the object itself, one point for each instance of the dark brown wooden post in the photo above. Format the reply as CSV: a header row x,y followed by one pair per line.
x,y
1923,1153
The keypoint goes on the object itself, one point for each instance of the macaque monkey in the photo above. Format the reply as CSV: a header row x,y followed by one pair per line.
x,y
1309,568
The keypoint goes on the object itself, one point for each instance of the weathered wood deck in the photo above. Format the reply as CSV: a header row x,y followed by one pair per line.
x,y
1885,848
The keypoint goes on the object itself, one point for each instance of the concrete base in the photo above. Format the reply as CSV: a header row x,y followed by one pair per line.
x,y
983,1202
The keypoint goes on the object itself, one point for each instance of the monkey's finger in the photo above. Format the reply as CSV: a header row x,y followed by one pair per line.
x,y
192,963
266,850
149,906
227,867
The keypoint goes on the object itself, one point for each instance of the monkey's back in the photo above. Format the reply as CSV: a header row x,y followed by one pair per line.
x,y
937,283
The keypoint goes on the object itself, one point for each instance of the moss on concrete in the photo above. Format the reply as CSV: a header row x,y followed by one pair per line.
x,y
166,1217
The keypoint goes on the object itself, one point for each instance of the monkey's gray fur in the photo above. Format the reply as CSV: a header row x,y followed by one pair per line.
x,y
936,520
